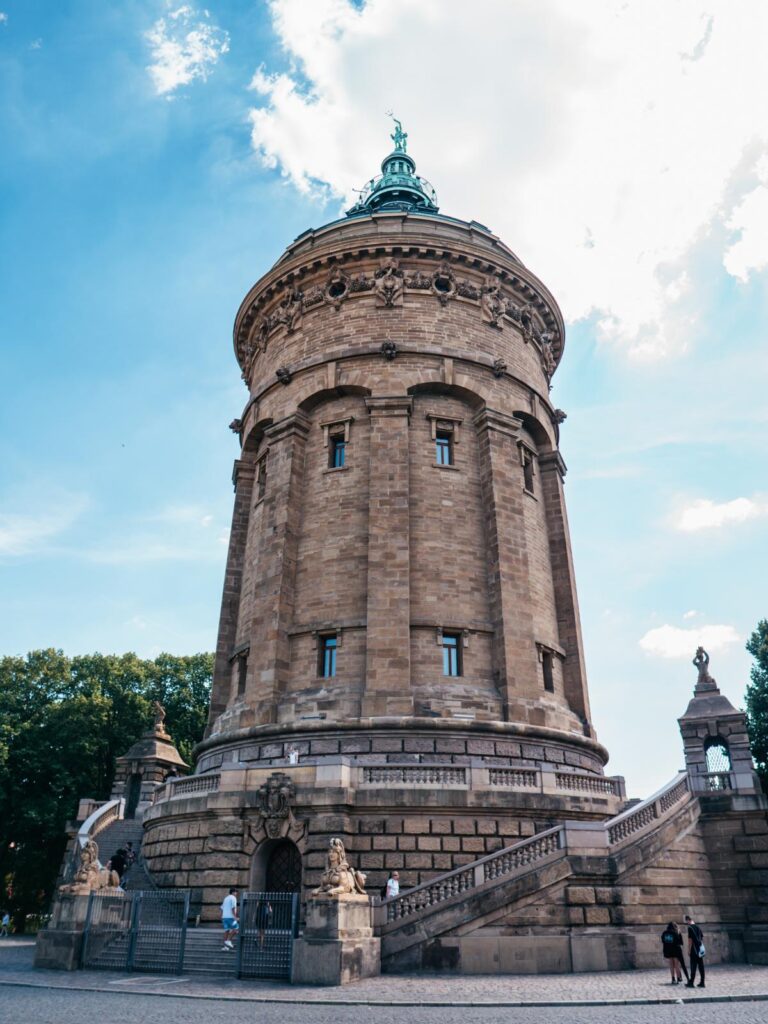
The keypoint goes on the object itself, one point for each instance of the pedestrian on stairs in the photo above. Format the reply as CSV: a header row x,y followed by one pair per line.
x,y
229,920
696,951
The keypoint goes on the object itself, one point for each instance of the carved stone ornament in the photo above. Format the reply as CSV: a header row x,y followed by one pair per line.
x,y
236,426
499,368
419,280
313,296
467,290
559,416
526,320
274,804
388,350
290,310
388,283
284,375
513,311
339,878
336,288
705,681
90,875
548,361
444,282
492,302
361,283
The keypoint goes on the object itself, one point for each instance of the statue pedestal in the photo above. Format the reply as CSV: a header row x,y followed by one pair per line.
x,y
59,945
338,945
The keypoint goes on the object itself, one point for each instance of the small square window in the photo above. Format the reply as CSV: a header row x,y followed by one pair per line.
x,y
242,670
444,447
528,471
327,656
546,668
261,480
337,451
452,654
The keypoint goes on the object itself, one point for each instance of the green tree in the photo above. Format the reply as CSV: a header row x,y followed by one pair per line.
x,y
62,724
757,700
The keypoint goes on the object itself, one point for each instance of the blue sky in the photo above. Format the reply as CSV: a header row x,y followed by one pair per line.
x,y
158,157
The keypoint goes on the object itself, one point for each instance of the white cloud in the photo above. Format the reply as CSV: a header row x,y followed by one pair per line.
x,y
691,614
184,46
599,139
36,44
25,534
704,514
3,18
750,252
673,642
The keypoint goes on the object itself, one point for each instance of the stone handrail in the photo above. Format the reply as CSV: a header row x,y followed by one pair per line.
x,y
482,776
587,783
712,782
644,815
514,778
187,786
102,817
502,864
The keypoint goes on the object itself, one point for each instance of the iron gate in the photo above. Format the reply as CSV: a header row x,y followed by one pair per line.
x,y
136,930
269,923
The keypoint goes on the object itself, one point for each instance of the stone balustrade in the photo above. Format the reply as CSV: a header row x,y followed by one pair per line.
x,y
189,786
643,816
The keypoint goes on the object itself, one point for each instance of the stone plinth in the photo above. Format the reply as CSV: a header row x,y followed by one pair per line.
x,y
59,945
338,945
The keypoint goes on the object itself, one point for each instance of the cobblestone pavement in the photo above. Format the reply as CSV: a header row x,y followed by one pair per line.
x,y
727,982
61,1006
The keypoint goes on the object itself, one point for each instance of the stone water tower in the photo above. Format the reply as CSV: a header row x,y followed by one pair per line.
x,y
399,657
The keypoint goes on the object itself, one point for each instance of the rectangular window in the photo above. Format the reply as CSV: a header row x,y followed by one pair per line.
x,y
528,471
337,452
327,661
444,448
242,669
261,480
546,668
451,654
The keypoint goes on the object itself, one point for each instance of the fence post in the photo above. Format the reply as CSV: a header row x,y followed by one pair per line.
x,y
134,928
241,934
87,929
183,942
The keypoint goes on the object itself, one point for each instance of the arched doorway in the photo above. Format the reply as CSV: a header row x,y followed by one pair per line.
x,y
134,794
277,867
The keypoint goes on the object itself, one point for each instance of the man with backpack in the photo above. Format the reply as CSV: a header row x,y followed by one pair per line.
x,y
696,951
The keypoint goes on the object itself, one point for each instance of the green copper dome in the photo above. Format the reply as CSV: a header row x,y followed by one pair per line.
x,y
397,187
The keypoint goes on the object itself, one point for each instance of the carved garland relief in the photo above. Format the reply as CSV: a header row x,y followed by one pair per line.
x,y
388,285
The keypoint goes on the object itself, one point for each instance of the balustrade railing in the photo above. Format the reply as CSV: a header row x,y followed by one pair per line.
x,y
423,774
511,860
647,813
514,778
587,783
188,786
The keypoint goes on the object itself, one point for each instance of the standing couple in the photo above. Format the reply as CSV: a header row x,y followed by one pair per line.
x,y
672,946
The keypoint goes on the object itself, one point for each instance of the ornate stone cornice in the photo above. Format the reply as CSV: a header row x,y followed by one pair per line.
x,y
393,274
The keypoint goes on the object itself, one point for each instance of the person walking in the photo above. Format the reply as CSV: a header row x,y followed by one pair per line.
x,y
696,951
5,924
672,948
263,919
393,886
229,920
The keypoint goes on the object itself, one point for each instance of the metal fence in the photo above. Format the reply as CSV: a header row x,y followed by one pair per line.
x,y
268,925
136,930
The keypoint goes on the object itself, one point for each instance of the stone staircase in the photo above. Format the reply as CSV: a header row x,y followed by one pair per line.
x,y
414,926
203,953
118,835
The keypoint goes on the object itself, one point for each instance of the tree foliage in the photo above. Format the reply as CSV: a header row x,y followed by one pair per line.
x,y
63,721
757,700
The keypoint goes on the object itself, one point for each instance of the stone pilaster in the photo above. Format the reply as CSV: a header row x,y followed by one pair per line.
x,y
276,551
514,649
388,656
551,473
242,477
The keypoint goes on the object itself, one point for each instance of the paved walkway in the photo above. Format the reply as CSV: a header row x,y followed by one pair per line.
x,y
725,983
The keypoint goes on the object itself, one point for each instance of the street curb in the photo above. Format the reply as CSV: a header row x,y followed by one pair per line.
x,y
222,996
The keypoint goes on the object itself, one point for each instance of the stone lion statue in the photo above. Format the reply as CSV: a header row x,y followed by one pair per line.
x,y
339,878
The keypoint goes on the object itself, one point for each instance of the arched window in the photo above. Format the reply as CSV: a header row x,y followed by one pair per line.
x,y
284,868
718,762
